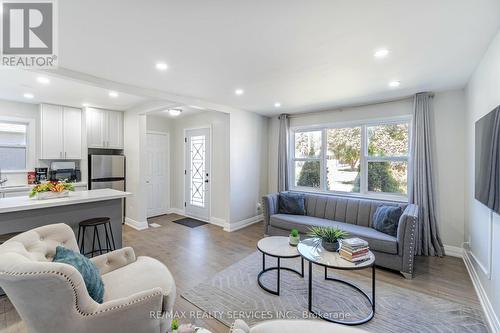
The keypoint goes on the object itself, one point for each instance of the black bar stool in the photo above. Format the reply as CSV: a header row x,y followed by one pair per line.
x,y
94,223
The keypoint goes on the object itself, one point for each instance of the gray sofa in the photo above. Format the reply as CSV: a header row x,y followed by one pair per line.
x,y
354,216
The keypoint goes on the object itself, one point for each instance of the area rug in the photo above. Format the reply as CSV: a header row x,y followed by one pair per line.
x,y
234,293
189,222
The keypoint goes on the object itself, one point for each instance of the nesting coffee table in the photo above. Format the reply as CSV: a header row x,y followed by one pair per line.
x,y
311,250
279,248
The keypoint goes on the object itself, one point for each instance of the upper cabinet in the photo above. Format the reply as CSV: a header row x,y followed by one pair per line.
x,y
104,129
60,132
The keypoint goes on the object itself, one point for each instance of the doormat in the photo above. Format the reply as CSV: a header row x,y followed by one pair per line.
x,y
189,222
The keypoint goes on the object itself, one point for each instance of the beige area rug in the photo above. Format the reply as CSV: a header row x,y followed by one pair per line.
x,y
234,293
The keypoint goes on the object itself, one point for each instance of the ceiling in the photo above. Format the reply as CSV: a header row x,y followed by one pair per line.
x,y
307,55
186,111
14,83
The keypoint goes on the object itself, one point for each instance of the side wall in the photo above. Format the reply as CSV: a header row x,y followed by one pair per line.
x,y
248,167
449,111
483,225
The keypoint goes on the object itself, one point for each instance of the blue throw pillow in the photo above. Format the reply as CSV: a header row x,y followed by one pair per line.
x,y
291,203
386,219
87,269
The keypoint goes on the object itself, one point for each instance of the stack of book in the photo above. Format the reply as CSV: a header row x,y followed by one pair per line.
x,y
354,250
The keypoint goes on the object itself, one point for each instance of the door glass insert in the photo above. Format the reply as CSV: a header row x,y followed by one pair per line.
x,y
197,187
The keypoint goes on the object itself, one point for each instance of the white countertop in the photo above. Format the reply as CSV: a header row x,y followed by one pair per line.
x,y
24,203
20,188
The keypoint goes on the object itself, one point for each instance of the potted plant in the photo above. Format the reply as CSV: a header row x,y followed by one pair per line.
x,y
329,237
51,190
294,237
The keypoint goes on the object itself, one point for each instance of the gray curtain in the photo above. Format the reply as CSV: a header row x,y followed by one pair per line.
x,y
422,191
283,153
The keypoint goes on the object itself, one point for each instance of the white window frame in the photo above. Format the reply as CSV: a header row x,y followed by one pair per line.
x,y
364,158
30,141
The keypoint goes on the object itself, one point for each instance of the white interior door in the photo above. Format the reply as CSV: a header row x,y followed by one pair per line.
x,y
157,170
197,173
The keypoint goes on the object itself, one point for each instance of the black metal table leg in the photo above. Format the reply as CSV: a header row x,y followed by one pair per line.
x,y
278,270
370,300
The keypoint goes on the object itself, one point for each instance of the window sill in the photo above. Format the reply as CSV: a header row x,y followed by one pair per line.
x,y
371,196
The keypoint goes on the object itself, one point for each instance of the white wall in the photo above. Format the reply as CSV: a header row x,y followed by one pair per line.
x,y
449,111
483,225
249,166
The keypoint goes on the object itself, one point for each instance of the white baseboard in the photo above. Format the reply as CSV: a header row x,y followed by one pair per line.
x,y
453,251
489,312
176,211
218,222
243,223
136,224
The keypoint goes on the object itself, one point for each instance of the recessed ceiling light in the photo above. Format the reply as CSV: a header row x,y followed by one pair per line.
x,y
29,96
85,105
113,94
277,105
174,112
394,84
381,53
239,92
43,80
161,66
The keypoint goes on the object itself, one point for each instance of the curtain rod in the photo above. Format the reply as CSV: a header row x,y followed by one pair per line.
x,y
343,108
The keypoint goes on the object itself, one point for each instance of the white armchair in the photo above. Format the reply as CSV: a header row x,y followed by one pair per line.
x,y
52,297
293,326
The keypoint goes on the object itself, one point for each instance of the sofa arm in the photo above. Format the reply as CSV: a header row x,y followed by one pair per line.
x,y
270,205
407,237
113,260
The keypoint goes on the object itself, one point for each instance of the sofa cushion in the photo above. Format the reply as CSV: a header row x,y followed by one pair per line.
x,y
377,240
386,219
291,203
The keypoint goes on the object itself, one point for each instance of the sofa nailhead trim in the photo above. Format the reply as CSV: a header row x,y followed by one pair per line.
x,y
84,314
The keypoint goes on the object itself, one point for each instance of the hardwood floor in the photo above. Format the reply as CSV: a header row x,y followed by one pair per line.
x,y
194,255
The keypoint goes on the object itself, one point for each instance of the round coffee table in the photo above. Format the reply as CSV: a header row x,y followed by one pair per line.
x,y
311,250
277,247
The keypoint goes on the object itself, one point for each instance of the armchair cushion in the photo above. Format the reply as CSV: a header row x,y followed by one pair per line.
x,y
144,274
87,269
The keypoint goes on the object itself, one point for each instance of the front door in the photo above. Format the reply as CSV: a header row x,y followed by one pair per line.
x,y
157,186
196,171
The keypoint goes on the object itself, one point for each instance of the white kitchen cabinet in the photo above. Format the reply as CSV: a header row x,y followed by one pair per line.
x,y
72,133
104,129
60,132
115,130
51,129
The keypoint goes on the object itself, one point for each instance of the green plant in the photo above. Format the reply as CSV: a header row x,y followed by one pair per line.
x,y
328,234
294,233
175,325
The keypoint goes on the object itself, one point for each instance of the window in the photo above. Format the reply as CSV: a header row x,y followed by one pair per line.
x,y
370,158
13,146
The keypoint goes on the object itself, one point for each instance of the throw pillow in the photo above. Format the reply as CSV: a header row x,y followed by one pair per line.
x,y
386,219
291,203
87,269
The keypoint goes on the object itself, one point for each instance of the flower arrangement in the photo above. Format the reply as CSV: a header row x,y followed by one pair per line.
x,y
183,328
51,189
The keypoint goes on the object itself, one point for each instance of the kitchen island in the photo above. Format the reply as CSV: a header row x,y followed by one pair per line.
x,y
19,214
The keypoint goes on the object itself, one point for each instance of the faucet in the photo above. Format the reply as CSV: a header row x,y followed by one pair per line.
x,y
2,180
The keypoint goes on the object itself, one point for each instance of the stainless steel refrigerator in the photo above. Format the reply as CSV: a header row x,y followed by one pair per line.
x,y
107,171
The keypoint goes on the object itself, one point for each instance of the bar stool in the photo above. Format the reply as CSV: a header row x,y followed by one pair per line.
x,y
94,223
